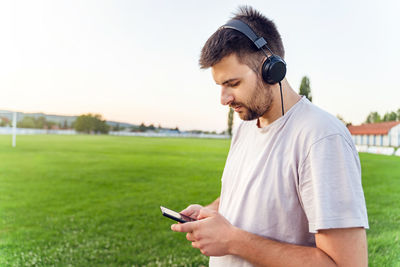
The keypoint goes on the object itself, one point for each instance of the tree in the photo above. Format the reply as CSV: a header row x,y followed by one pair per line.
x,y
142,127
230,121
305,88
398,114
373,117
89,123
343,121
4,122
40,123
26,122
35,123
84,124
390,116
100,125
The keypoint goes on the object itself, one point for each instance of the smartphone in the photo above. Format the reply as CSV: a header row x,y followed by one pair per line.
x,y
176,215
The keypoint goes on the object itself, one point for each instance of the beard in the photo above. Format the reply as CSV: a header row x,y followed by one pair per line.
x,y
258,104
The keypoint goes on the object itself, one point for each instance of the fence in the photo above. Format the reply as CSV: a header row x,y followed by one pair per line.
x,y
174,134
25,131
378,150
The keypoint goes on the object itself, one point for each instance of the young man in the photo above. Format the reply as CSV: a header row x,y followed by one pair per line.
x,y
291,189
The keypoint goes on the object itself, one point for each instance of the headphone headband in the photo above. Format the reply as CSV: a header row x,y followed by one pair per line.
x,y
242,27
274,67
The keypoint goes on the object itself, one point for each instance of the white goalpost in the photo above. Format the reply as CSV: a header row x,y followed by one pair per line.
x,y
13,125
14,130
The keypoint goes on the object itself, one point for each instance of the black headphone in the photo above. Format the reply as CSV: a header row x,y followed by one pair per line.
x,y
274,67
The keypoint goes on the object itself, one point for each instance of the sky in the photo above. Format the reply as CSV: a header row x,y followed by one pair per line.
x,y
137,61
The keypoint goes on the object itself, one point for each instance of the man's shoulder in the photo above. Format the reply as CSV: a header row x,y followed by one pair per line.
x,y
314,123
306,123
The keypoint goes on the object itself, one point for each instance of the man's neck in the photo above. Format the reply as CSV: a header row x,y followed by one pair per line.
x,y
290,97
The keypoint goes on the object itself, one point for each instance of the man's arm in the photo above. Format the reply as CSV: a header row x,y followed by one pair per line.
x,y
215,236
214,205
335,247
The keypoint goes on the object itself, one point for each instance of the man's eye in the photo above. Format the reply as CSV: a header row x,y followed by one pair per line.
x,y
235,84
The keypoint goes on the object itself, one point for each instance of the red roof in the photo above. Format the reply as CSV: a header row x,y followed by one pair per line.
x,y
380,128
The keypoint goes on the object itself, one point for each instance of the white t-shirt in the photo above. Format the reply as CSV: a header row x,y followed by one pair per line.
x,y
292,178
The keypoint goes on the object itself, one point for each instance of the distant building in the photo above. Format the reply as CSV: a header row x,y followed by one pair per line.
x,y
376,134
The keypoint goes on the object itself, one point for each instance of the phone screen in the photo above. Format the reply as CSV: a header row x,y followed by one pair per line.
x,y
175,215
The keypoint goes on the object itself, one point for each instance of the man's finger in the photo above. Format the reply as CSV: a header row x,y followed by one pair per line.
x,y
188,212
205,213
195,244
183,227
192,210
190,237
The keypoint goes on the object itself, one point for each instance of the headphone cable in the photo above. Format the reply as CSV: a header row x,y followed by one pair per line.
x,y
280,86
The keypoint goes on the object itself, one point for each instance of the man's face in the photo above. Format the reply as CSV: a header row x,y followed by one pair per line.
x,y
241,89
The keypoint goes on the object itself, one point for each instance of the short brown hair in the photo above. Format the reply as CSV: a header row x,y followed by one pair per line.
x,y
228,41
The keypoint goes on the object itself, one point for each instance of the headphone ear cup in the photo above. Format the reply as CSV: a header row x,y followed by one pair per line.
x,y
273,69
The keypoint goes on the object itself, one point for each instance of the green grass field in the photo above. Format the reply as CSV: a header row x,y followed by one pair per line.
x,y
94,200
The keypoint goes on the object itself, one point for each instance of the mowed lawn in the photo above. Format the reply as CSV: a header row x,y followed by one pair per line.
x,y
94,200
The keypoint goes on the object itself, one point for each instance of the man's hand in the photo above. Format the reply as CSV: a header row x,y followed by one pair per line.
x,y
210,234
213,235
192,211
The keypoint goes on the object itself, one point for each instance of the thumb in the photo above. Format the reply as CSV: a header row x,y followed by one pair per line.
x,y
205,213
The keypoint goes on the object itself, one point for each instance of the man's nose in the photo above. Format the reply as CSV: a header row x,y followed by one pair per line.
x,y
226,96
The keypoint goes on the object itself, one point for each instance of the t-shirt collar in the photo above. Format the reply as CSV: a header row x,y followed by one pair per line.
x,y
281,119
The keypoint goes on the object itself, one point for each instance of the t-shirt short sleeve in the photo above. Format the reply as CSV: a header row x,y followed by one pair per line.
x,y
330,185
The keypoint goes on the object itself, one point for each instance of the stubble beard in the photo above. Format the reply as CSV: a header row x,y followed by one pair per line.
x,y
259,103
